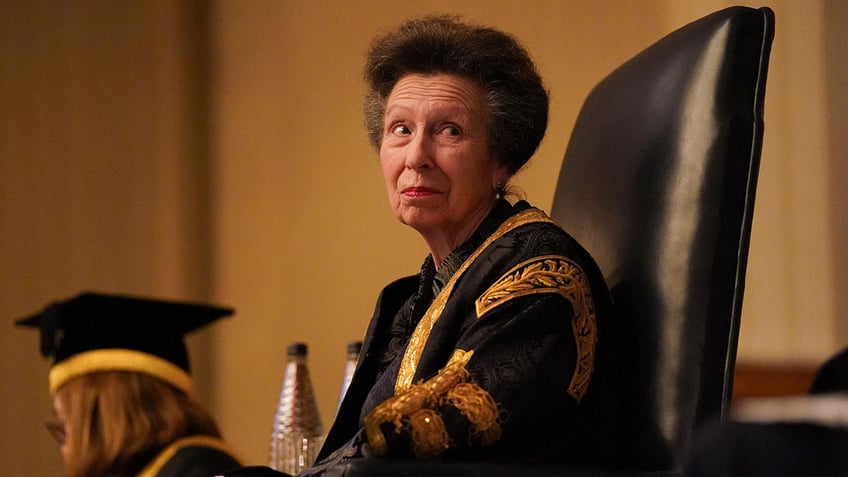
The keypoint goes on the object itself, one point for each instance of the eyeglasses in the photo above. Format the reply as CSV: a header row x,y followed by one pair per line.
x,y
57,430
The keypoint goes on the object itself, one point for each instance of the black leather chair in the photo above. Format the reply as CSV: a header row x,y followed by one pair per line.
x,y
658,182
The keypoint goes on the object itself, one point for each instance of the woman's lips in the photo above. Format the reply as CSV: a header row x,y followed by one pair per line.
x,y
419,192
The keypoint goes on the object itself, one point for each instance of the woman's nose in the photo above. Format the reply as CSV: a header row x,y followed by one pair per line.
x,y
419,153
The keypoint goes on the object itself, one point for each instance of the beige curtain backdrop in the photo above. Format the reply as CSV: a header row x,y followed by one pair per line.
x,y
215,151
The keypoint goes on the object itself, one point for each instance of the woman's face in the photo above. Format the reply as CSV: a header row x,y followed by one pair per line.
x,y
440,173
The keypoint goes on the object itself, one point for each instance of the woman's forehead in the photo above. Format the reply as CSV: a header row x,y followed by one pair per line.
x,y
441,91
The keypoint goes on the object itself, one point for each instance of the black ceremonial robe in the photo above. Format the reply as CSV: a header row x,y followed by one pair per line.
x,y
194,456
503,354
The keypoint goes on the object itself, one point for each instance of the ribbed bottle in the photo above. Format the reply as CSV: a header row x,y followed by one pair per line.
x,y
352,357
297,432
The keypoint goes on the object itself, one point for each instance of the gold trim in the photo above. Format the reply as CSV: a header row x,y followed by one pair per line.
x,y
553,274
117,360
543,274
156,465
418,340
413,410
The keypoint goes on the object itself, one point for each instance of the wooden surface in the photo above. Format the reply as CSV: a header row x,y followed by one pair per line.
x,y
766,380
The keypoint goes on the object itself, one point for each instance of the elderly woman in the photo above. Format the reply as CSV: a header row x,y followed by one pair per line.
x,y
499,349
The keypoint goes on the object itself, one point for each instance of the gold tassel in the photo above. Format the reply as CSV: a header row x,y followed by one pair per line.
x,y
429,436
413,410
479,408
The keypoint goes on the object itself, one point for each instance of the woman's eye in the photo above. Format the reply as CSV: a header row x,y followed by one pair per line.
x,y
452,131
400,130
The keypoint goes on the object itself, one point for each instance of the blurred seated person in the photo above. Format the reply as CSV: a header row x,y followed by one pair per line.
x,y
500,348
832,376
787,436
120,386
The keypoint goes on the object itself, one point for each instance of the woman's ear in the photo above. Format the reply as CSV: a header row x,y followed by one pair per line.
x,y
501,176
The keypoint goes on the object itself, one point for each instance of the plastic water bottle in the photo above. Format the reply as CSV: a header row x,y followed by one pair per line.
x,y
353,349
297,433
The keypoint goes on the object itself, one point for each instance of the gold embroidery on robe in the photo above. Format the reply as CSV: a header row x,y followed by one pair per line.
x,y
553,274
421,334
414,410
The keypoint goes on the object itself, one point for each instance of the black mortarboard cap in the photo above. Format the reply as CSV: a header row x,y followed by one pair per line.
x,y
98,332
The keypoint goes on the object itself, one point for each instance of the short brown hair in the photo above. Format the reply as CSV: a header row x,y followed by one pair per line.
x,y
516,98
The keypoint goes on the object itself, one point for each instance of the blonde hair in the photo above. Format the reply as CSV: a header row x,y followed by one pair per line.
x,y
118,421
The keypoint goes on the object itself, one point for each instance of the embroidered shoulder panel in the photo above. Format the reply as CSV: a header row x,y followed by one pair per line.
x,y
553,274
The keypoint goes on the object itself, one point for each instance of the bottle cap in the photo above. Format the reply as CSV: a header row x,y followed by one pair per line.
x,y
297,349
354,347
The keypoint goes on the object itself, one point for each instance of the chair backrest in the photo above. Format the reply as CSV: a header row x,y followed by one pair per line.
x,y
658,183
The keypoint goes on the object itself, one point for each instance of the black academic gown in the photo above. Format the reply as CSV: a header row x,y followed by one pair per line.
x,y
522,322
194,456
